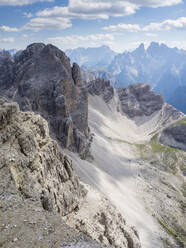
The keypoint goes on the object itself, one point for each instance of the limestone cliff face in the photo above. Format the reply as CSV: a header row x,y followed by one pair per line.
x,y
139,100
32,164
101,87
44,82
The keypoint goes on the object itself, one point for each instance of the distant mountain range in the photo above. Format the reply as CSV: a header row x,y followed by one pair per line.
x,y
93,57
11,51
162,67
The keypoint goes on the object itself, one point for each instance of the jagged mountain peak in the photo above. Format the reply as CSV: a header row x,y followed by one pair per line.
x,y
159,65
42,80
41,50
88,57
159,49
140,49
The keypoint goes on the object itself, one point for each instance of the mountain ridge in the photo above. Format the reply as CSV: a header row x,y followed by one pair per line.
x,y
158,65
88,57
127,166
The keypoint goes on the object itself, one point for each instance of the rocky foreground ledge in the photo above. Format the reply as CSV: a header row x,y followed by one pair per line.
x,y
38,186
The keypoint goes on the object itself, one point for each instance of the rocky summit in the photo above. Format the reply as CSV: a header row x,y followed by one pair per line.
x,y
41,79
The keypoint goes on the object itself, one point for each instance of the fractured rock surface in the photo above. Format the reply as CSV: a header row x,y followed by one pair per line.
x,y
32,164
100,220
41,79
102,87
138,100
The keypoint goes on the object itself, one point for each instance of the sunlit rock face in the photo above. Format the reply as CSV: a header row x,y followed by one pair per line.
x,y
33,163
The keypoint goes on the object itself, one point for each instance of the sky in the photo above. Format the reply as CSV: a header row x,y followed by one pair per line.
x,y
120,24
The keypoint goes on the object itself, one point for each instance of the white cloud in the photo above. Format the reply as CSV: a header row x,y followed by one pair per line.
x,y
8,29
20,2
9,39
151,34
103,9
59,17
73,40
28,15
123,26
179,23
156,3
89,9
37,24
178,44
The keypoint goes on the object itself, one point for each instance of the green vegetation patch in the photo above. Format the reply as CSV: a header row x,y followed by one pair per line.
x,y
157,147
171,231
164,157
180,122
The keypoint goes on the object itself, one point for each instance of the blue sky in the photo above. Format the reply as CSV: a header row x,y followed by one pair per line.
x,y
121,24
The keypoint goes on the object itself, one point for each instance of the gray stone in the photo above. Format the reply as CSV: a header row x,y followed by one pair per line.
x,y
34,162
41,79
101,87
139,100
174,136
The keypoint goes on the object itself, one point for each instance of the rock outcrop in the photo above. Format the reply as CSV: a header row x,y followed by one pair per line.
x,y
33,164
175,135
101,221
139,100
101,87
43,81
